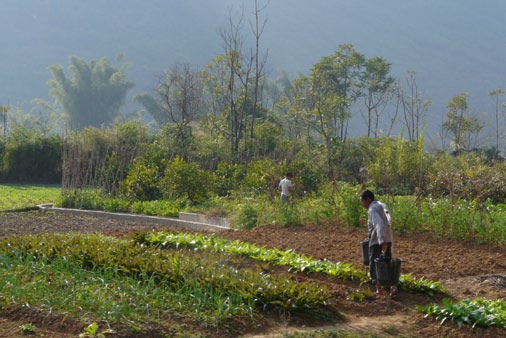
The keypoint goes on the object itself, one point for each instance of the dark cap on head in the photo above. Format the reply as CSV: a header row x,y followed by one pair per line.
x,y
367,194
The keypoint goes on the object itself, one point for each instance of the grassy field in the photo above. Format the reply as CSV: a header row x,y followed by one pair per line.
x,y
17,197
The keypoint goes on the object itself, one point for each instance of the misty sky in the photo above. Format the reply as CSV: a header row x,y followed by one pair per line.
x,y
453,46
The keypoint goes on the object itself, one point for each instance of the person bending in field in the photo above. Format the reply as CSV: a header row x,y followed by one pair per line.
x,y
379,226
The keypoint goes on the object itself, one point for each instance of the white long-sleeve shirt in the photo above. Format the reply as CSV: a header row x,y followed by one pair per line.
x,y
285,185
378,224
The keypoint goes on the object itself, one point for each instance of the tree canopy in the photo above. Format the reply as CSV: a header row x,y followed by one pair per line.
x,y
93,94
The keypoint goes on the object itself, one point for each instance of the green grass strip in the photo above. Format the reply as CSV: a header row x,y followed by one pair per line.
x,y
14,197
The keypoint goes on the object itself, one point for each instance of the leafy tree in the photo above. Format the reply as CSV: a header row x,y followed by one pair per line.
x,y
335,82
228,177
268,140
93,94
459,125
262,177
377,85
277,93
328,95
300,118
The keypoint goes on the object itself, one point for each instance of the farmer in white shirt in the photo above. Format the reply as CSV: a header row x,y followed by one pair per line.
x,y
379,225
286,185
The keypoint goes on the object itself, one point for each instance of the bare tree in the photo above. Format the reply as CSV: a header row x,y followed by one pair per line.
x,y
3,112
176,103
233,83
495,95
414,106
258,30
180,95
239,70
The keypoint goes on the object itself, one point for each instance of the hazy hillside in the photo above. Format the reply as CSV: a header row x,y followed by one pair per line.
x,y
454,46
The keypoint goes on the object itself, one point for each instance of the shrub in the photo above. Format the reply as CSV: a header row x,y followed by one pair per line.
x,y
288,214
33,159
185,180
228,177
246,217
158,208
262,176
399,166
142,183
87,199
467,176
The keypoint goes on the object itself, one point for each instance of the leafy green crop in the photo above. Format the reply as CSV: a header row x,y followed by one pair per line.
x,y
477,312
93,331
28,328
421,285
275,256
289,258
213,287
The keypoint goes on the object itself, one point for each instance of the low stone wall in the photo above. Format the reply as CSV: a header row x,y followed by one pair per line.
x,y
200,218
187,221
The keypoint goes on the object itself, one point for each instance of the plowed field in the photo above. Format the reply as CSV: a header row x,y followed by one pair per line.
x,y
466,269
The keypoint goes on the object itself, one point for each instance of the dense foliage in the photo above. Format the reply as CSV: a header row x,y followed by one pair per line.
x,y
128,168
396,166
29,157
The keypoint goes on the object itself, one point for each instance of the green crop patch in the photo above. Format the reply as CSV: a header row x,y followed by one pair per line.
x,y
475,312
117,278
295,261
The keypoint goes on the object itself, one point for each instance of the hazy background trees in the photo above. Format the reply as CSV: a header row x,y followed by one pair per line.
x,y
230,118
92,93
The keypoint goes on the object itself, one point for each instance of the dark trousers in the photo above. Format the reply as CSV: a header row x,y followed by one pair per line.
x,y
375,252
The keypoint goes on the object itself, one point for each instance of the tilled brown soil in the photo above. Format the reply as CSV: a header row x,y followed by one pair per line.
x,y
467,269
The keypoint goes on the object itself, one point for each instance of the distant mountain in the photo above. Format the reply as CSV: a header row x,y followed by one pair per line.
x,y
453,46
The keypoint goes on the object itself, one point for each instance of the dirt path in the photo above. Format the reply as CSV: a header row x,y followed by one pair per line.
x,y
468,270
